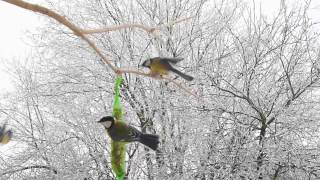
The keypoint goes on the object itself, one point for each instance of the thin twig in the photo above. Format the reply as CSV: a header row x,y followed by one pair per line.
x,y
31,167
181,86
177,21
115,28
134,25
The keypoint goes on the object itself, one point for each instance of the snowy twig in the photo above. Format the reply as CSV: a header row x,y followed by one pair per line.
x,y
115,28
180,85
134,25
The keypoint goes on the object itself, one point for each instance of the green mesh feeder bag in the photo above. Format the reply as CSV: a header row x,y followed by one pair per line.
x,y
118,149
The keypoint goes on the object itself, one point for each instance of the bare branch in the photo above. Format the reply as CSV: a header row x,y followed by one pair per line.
x,y
180,85
31,167
134,25
115,28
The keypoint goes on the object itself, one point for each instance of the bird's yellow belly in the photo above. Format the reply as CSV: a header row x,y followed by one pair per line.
x,y
5,139
159,69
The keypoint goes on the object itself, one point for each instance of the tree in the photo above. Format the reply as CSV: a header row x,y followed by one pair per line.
x,y
256,81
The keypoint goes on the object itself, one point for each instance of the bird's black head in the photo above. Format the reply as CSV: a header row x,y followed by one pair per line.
x,y
10,133
147,63
107,121
150,61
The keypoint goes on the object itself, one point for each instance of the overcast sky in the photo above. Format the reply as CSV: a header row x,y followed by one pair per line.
x,y
16,21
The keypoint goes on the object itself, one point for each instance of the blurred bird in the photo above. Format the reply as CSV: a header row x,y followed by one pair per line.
x,y
5,136
120,131
162,66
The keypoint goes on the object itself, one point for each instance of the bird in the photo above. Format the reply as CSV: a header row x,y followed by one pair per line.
x,y
5,135
163,65
119,131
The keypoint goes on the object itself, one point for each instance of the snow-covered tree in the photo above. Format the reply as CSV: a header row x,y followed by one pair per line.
x,y
256,80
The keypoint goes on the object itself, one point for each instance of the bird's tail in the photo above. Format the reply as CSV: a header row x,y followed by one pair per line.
x,y
150,140
184,76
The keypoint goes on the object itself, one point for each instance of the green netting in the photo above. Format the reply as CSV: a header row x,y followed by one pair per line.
x,y
117,109
118,149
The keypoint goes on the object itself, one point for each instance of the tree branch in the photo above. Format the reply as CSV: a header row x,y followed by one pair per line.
x,y
31,167
134,25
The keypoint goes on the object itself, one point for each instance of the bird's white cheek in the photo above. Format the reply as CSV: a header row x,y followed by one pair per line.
x,y
107,124
148,63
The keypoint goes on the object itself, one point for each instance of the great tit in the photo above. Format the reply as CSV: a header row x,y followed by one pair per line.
x,y
162,66
120,131
5,136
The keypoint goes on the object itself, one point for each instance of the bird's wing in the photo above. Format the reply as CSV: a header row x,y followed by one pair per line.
x,y
134,133
172,60
2,129
123,132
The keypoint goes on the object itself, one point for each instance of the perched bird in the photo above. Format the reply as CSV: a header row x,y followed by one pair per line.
x,y
120,131
162,66
5,136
